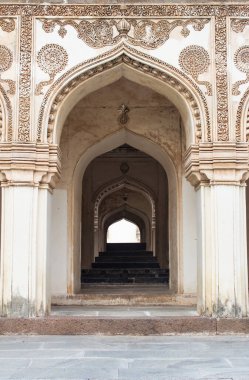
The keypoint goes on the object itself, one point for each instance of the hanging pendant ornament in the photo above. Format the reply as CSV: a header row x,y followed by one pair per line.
x,y
123,118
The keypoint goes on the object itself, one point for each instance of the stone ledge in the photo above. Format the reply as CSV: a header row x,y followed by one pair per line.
x,y
121,326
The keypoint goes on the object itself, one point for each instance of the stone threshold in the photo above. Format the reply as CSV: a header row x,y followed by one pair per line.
x,y
65,325
129,299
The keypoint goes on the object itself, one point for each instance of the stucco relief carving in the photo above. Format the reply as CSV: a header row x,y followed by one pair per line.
x,y
146,68
221,78
238,25
242,125
123,10
6,60
146,33
25,78
241,61
220,12
7,24
51,59
194,60
123,117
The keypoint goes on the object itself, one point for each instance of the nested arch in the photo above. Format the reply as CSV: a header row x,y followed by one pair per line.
x,y
118,185
106,144
132,215
137,67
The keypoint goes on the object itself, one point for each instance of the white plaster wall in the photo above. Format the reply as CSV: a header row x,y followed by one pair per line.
x,y
58,250
189,237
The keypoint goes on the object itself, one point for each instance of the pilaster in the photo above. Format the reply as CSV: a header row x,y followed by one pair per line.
x,y
27,179
218,171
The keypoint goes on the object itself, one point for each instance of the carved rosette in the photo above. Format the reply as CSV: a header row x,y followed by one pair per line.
x,y
194,60
51,59
7,24
146,33
241,61
6,60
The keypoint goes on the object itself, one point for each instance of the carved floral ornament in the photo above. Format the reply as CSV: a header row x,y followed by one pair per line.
x,y
6,60
238,12
51,59
137,65
146,33
7,24
194,60
241,61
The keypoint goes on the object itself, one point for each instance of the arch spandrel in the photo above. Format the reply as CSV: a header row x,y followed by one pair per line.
x,y
140,68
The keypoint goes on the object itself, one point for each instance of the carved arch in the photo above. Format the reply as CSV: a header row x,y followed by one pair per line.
x,y
182,86
242,119
6,118
120,184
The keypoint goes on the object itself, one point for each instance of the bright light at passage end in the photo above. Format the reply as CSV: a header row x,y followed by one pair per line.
x,y
123,232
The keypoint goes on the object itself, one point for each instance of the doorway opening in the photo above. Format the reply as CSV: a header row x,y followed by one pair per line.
x,y
125,219
123,231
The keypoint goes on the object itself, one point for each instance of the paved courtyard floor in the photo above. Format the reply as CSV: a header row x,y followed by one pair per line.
x,y
124,357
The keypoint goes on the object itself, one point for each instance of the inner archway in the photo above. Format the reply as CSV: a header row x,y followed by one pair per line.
x,y
134,188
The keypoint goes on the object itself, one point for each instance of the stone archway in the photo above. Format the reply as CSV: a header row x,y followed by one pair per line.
x,y
149,144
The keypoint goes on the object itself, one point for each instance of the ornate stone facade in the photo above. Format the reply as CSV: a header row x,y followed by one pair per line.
x,y
196,56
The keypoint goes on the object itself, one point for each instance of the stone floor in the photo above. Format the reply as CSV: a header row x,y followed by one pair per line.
x,y
124,357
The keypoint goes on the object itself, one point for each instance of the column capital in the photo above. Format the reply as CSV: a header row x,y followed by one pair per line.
x,y
30,164
217,163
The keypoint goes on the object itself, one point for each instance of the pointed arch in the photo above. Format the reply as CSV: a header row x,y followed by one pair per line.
x,y
135,66
116,185
6,118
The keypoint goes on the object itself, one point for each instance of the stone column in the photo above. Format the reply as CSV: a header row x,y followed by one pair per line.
x,y
222,257
222,288
24,276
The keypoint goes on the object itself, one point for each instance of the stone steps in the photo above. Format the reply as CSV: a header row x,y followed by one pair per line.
x,y
125,263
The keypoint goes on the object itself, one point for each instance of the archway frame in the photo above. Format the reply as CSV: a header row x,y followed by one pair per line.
x,y
97,73
75,195
180,89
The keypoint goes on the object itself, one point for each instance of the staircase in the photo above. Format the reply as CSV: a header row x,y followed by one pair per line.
x,y
125,263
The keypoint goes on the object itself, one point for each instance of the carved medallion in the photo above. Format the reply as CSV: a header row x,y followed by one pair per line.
x,y
194,60
241,61
6,59
7,24
51,59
